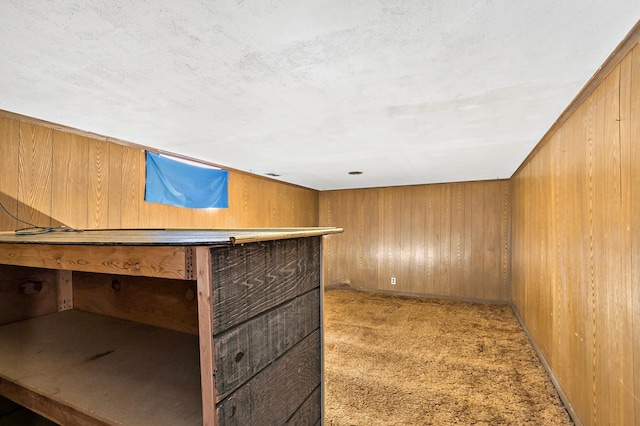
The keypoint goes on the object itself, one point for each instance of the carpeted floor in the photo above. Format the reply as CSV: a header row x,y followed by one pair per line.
x,y
393,360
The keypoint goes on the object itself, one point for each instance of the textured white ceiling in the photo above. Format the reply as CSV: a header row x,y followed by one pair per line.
x,y
406,91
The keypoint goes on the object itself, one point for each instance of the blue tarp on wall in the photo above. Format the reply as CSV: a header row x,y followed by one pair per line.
x,y
185,185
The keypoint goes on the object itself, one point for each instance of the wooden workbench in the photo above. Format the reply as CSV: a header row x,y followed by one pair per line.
x,y
153,327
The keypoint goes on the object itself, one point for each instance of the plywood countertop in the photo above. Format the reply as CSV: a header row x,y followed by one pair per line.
x,y
162,237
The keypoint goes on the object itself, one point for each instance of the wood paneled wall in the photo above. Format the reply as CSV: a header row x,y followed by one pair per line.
x,y
576,248
51,177
444,240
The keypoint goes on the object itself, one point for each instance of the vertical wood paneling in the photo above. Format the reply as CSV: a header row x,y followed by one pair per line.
x,y
34,174
493,209
443,280
98,184
457,239
9,131
575,249
131,185
430,241
634,216
505,239
476,228
371,232
114,211
431,238
97,192
70,178
404,261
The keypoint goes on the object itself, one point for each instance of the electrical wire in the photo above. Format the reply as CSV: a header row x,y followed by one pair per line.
x,y
18,219
35,229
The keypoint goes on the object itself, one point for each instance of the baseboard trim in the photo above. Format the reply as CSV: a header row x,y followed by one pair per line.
x,y
563,396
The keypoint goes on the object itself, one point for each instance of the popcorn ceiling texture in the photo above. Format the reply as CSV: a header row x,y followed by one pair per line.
x,y
409,92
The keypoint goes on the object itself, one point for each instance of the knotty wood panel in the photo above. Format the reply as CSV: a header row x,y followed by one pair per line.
x,y
576,248
250,279
268,395
247,349
165,303
167,262
445,240
44,169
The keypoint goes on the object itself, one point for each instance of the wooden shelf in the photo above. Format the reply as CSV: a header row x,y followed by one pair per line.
x,y
85,368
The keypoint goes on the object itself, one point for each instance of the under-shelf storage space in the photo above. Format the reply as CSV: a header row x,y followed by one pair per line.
x,y
90,369
163,327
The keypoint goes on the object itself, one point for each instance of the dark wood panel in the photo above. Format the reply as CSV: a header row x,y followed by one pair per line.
x,y
309,412
268,395
160,302
245,350
253,278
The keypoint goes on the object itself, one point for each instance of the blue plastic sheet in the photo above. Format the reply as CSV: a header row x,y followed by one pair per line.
x,y
185,185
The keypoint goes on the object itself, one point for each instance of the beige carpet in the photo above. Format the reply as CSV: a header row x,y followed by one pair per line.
x,y
393,360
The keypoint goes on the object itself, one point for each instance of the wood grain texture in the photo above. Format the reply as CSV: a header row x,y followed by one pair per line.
x,y
165,303
245,350
205,335
26,293
447,240
108,370
634,217
9,154
166,262
575,249
44,166
34,174
309,412
268,394
70,174
97,191
250,279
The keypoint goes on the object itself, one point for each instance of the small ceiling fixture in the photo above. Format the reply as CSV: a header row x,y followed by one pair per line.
x,y
272,174
355,173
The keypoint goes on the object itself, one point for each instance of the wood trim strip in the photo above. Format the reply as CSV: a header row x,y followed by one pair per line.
x,y
65,290
46,407
165,262
205,324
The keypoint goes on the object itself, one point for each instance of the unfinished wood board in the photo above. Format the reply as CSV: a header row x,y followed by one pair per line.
x,y
26,293
116,371
166,303
161,262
